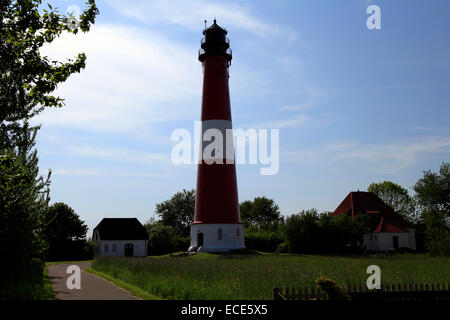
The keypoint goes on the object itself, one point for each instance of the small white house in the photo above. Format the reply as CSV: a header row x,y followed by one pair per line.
x,y
120,237
389,230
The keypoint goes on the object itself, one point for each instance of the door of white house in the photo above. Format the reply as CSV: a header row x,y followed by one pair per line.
x,y
129,249
395,242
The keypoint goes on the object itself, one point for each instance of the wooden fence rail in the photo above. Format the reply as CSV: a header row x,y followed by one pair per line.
x,y
361,292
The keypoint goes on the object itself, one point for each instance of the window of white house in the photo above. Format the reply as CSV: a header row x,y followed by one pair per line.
x,y
105,248
114,247
219,234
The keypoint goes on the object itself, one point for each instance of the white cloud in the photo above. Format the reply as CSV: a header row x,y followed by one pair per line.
x,y
133,78
99,173
192,13
396,156
296,121
119,155
383,158
303,106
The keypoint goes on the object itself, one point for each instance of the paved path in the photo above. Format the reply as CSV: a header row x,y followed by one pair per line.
x,y
92,286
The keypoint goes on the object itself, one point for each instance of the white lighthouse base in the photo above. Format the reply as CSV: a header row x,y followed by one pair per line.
x,y
217,237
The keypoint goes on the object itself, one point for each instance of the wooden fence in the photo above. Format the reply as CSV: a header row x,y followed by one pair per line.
x,y
388,292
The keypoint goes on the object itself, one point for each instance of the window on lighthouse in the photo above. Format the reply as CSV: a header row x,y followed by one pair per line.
x,y
219,234
237,232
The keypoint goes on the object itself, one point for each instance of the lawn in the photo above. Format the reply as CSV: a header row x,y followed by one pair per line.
x,y
253,276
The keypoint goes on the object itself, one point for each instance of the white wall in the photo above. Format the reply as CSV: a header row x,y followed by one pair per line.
x,y
140,247
211,243
383,241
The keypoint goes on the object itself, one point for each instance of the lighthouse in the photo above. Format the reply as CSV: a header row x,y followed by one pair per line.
x,y
216,226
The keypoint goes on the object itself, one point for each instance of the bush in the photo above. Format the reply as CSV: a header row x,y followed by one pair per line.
x,y
71,250
309,232
262,240
26,286
282,248
332,289
303,233
164,239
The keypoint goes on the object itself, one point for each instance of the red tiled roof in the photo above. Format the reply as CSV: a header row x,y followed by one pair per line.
x,y
368,202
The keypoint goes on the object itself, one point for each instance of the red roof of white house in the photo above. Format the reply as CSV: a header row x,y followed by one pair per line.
x,y
369,203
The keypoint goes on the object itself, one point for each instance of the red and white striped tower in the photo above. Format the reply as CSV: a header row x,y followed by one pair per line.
x,y
216,226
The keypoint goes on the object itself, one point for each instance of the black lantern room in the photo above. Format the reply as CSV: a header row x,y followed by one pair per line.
x,y
215,42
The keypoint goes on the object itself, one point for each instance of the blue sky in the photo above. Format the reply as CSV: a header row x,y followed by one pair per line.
x,y
353,105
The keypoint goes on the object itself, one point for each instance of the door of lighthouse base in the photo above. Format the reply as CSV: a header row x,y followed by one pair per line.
x,y
199,239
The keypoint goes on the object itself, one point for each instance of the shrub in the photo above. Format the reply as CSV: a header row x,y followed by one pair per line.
x,y
26,286
332,289
303,232
262,240
309,232
164,239
282,248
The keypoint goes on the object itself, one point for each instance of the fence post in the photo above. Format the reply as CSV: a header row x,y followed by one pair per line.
x,y
276,296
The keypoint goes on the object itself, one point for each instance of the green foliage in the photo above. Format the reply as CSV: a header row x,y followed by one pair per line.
x,y
23,201
261,213
433,190
282,248
33,283
302,231
333,290
396,197
164,239
309,232
253,276
433,197
65,234
437,235
262,240
178,212
27,79
62,223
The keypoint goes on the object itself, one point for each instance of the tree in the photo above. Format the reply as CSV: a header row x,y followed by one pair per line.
x,y
433,197
28,79
23,201
433,190
303,231
164,239
178,211
311,232
261,213
396,197
65,233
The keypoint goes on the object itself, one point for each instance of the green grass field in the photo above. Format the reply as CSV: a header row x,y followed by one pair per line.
x,y
253,276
